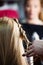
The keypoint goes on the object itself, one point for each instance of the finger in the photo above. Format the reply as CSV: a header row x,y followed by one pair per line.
x,y
29,55
35,57
24,55
30,47
28,52
30,44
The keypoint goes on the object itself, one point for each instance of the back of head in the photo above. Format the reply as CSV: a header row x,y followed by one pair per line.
x,y
10,45
7,42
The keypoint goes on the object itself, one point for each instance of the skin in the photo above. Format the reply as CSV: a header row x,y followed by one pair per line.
x,y
32,10
36,49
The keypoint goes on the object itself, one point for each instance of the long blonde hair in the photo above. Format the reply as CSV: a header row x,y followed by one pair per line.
x,y
11,47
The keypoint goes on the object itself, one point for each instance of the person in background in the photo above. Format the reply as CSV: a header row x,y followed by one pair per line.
x,y
34,28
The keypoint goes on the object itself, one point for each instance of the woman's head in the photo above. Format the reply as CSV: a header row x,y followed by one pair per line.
x,y
11,48
32,8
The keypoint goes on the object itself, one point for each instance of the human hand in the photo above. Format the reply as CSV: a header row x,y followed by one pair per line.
x,y
35,49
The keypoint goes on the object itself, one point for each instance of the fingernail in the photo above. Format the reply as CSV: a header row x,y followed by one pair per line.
x,y
23,55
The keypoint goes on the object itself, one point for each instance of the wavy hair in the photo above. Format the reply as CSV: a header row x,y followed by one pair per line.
x,y
11,47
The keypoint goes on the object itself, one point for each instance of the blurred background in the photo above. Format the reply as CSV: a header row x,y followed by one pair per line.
x,y
16,5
